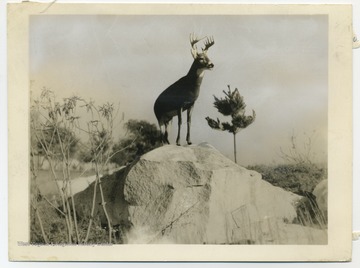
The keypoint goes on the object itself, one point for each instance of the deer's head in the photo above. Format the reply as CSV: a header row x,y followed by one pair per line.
x,y
201,60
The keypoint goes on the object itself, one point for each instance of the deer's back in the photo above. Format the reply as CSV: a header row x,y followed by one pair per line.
x,y
180,95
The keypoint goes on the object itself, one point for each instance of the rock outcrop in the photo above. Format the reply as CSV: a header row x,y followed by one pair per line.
x,y
195,195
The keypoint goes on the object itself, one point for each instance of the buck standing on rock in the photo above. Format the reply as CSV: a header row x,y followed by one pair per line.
x,y
182,95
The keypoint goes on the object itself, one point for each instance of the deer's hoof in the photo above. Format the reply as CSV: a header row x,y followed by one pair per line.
x,y
178,144
189,142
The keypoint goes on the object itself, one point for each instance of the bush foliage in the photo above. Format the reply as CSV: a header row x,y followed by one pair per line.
x,y
142,137
296,178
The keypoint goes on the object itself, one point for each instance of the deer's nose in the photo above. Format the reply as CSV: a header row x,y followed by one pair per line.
x,y
211,65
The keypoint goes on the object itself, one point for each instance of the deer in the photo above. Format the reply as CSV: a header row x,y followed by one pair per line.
x,y
181,95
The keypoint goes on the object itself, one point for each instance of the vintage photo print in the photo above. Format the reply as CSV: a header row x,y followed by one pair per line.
x,y
198,132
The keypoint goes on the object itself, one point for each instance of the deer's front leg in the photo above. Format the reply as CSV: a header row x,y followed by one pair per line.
x,y
189,111
179,127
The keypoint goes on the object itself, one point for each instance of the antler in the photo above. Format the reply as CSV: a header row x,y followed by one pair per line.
x,y
193,41
208,43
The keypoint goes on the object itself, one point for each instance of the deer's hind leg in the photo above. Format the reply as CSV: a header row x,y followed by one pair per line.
x,y
179,127
164,133
165,136
189,111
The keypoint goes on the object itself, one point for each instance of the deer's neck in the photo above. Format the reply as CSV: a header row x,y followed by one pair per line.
x,y
196,75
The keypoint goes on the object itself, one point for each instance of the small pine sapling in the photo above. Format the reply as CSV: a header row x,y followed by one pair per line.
x,y
232,105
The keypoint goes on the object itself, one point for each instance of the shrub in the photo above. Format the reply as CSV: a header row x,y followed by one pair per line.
x,y
296,178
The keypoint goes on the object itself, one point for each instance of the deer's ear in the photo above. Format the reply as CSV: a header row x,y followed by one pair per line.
x,y
194,53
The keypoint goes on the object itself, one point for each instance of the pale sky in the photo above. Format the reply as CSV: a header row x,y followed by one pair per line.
x,y
278,63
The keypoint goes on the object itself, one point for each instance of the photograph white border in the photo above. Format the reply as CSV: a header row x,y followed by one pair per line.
x,y
339,148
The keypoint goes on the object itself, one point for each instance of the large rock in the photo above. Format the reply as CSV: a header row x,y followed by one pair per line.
x,y
195,195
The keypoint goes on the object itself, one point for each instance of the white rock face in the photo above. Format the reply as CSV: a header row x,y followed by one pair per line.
x,y
78,185
196,195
